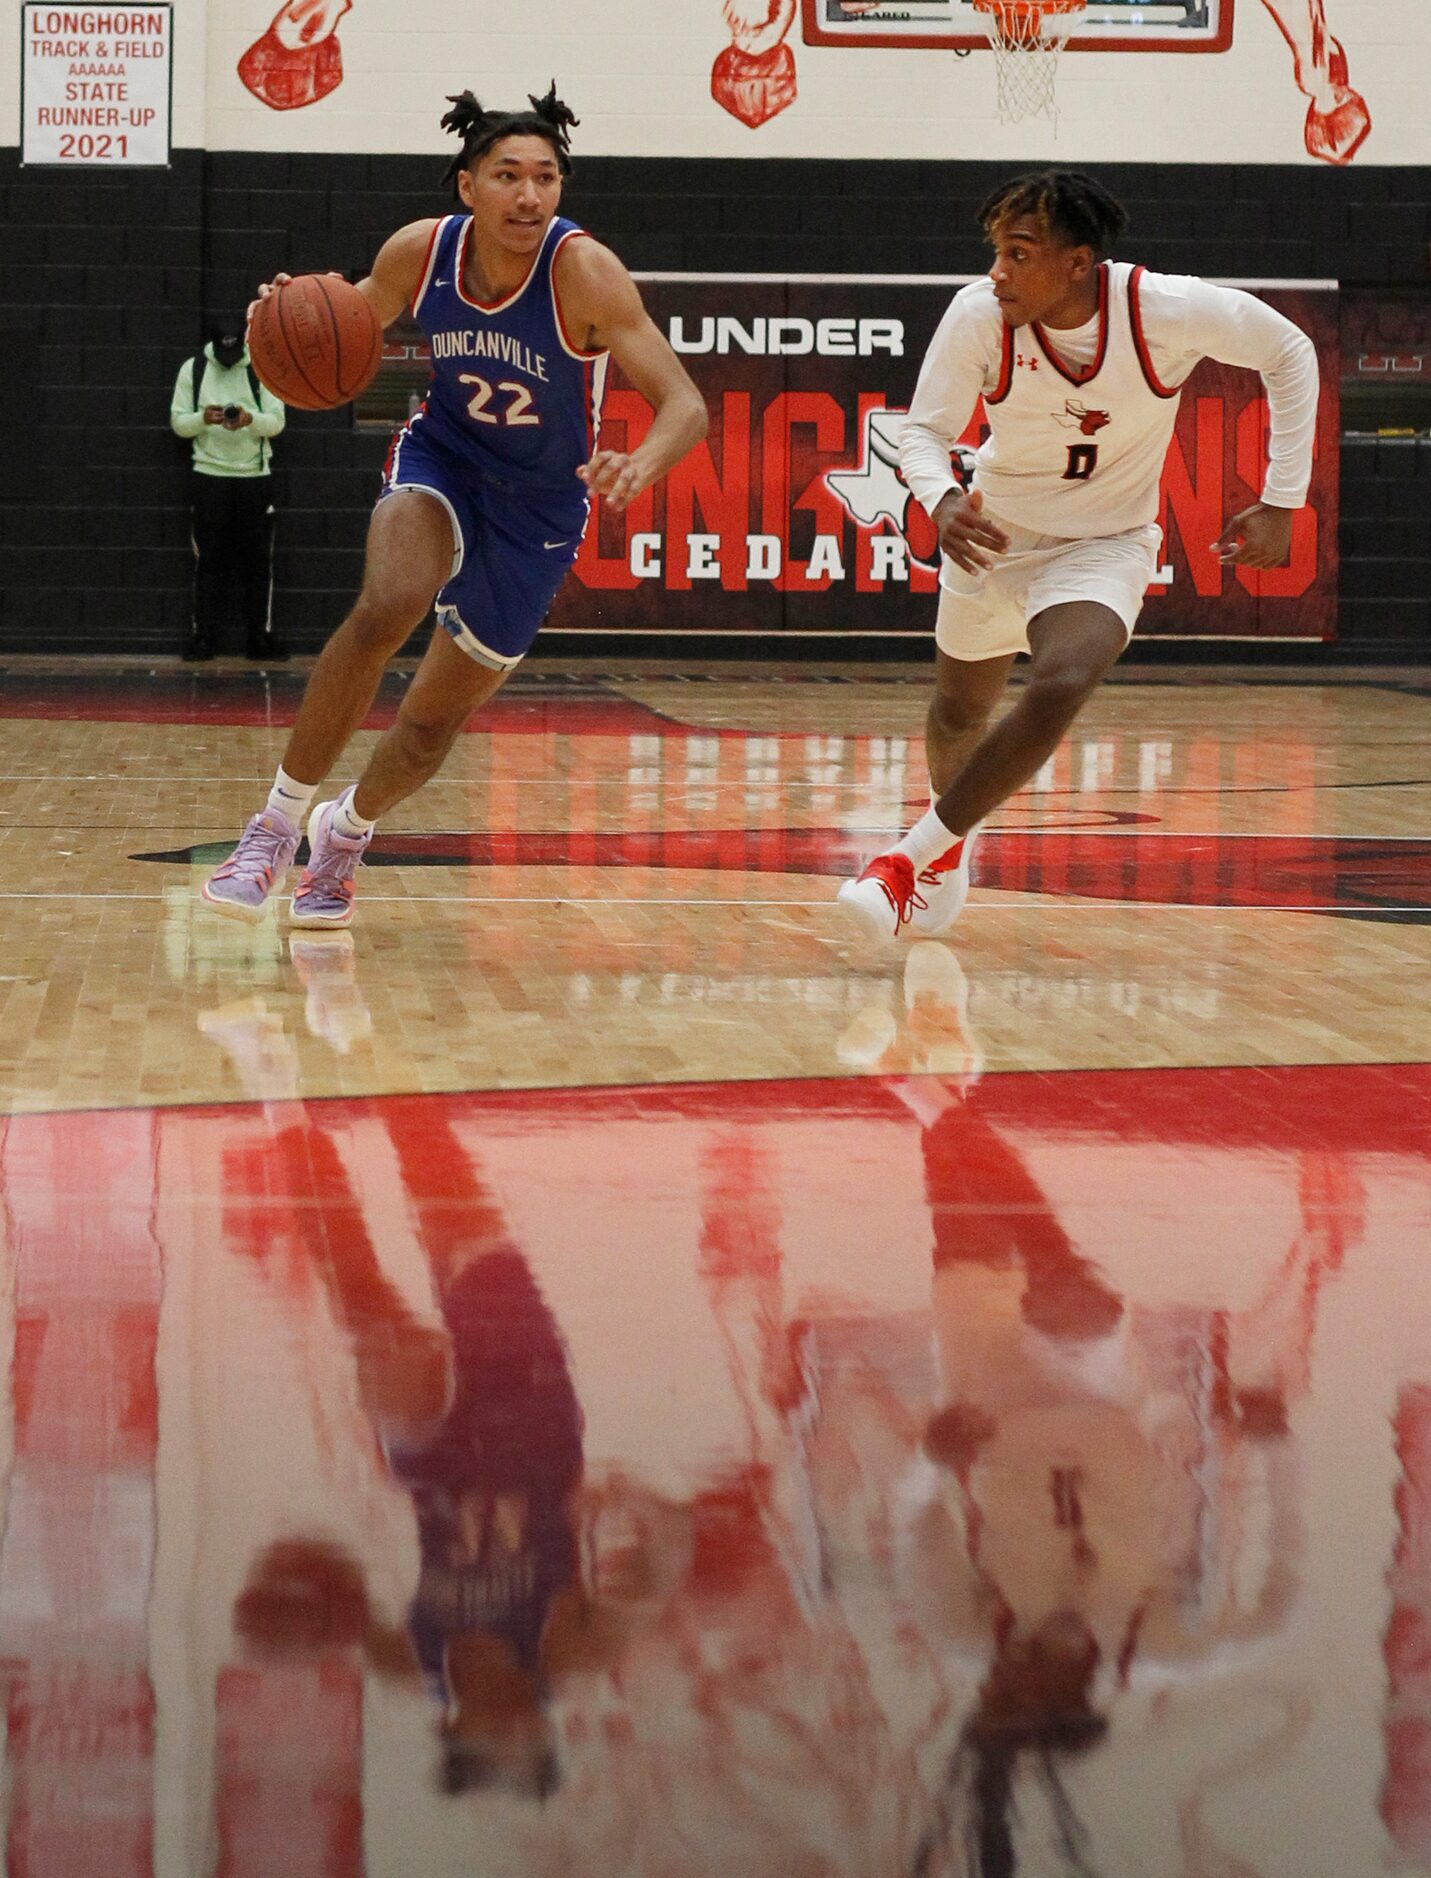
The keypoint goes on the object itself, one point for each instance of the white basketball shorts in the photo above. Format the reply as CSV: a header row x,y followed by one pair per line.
x,y
985,615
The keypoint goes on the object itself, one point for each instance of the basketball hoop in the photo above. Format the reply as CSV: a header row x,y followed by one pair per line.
x,y
1028,37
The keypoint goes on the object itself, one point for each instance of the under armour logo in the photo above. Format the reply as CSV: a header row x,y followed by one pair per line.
x,y
1030,361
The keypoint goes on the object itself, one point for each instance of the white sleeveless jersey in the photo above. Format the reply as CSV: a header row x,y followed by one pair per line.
x,y
1075,452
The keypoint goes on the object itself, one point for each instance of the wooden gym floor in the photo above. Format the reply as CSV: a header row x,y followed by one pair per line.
x,y
632,880
594,1371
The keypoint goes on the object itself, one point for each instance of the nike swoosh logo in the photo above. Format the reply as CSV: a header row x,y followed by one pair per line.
x,y
556,544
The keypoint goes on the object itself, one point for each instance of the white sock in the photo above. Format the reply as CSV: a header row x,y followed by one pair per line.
x,y
290,798
930,842
346,821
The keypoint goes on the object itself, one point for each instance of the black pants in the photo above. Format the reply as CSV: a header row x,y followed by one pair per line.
x,y
233,547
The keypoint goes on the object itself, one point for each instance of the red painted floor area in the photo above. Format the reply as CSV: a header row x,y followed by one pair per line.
x,y
820,1478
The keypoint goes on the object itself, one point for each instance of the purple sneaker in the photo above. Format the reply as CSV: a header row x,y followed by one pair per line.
x,y
240,888
325,893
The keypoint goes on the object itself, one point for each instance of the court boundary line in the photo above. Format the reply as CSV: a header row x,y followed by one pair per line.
x,y
1042,902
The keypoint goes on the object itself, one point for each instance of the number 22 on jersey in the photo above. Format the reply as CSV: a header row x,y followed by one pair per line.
x,y
518,411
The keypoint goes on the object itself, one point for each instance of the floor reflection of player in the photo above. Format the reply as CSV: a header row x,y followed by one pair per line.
x,y
484,1432
935,1035
493,1486
255,1038
1057,1483
1119,1481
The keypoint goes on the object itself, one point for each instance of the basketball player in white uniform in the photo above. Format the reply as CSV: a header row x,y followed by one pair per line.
x,y
1079,361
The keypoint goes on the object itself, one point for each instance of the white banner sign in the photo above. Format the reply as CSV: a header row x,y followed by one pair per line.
x,y
96,83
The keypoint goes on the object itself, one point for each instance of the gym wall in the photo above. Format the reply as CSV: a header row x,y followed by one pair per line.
x,y
811,159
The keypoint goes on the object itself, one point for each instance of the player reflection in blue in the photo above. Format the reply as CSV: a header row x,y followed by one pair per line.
x,y
480,1424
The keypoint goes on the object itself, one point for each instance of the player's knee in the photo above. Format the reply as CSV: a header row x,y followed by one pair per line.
x,y
1059,694
387,614
425,738
956,716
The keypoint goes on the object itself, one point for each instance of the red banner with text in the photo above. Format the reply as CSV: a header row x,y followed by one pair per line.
x,y
792,520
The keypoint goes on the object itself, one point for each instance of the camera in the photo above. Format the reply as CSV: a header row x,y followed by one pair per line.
x,y
231,413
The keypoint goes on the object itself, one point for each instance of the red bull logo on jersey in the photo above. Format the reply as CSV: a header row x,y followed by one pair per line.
x,y
1089,423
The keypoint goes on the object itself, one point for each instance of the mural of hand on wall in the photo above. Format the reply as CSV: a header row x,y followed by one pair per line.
x,y
754,78
1337,118
298,60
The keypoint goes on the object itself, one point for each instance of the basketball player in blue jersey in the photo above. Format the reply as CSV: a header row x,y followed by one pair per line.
x,y
1080,361
486,492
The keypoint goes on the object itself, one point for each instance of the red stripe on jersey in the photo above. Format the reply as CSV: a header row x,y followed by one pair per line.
x,y
1140,344
399,438
1095,365
578,352
426,273
1006,370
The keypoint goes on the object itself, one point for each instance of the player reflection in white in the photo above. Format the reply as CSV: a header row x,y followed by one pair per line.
x,y
1104,1501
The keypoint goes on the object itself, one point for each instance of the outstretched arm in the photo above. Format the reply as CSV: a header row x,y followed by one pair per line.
x,y
601,309
1238,329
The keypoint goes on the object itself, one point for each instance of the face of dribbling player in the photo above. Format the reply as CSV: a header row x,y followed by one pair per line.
x,y
513,191
1037,277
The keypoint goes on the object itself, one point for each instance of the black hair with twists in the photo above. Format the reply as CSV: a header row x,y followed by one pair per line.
x,y
1070,206
480,128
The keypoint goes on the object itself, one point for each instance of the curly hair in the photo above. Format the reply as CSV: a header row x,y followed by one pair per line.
x,y
1070,206
480,128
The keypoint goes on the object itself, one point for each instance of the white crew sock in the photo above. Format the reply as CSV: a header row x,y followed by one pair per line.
x,y
290,798
930,843
346,821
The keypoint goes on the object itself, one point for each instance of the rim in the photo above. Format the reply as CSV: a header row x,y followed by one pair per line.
x,y
1028,10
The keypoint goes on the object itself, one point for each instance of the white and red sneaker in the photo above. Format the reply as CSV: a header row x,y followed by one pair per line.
x,y
942,889
883,899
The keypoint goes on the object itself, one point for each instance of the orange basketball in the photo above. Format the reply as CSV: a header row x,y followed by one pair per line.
x,y
315,342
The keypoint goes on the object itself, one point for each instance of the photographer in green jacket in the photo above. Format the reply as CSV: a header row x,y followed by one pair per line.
x,y
230,418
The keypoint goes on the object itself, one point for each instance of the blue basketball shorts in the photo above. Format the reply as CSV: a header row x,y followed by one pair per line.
x,y
511,549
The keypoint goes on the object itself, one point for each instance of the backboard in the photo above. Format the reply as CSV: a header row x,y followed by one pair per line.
x,y
1111,25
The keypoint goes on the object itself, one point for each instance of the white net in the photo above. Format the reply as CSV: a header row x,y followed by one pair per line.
x,y
1028,37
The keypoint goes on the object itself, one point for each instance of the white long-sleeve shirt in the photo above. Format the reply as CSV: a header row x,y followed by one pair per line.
x,y
1080,418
